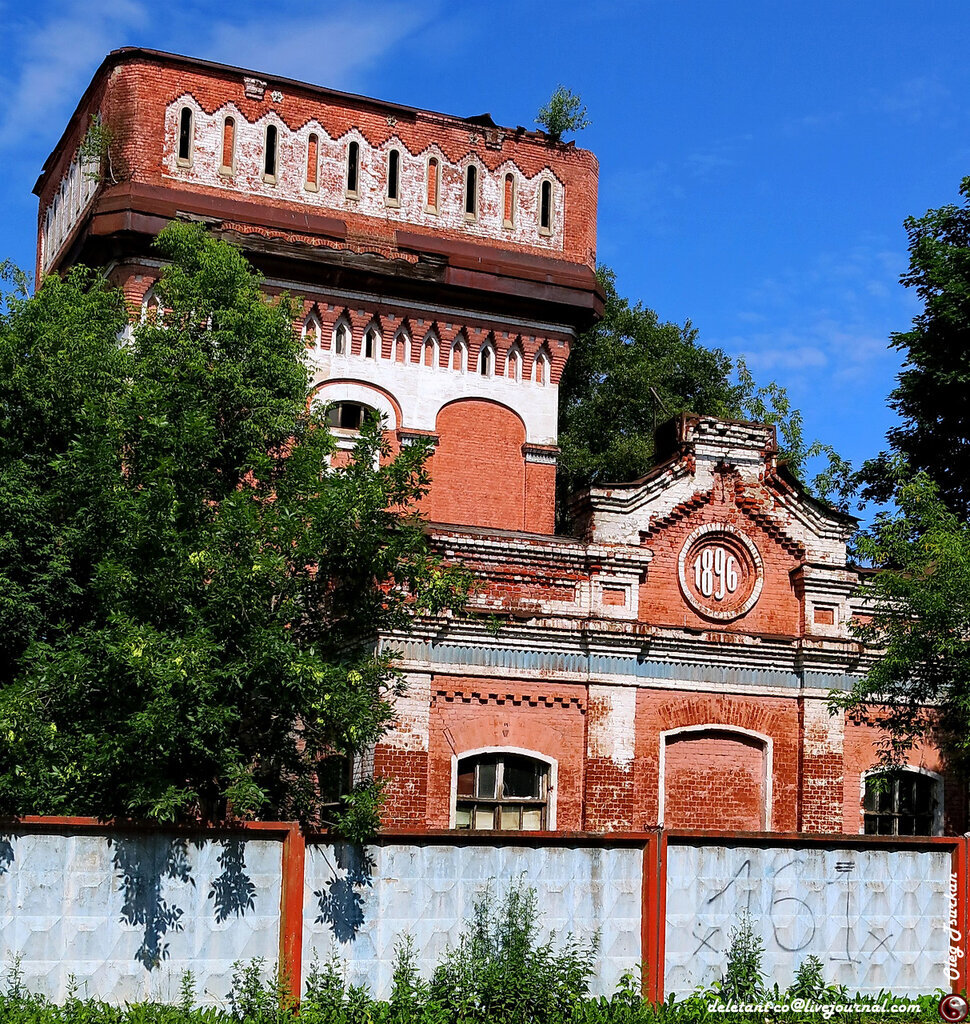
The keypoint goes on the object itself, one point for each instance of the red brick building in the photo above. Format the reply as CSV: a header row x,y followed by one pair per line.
x,y
669,664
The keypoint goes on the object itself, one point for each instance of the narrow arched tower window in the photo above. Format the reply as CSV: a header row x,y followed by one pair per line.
x,y
485,362
185,136
393,176
353,167
370,344
270,154
508,219
312,155
471,192
545,207
433,178
228,145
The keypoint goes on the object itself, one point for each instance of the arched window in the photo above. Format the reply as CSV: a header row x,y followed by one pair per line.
x,y
185,136
312,161
372,343
430,349
471,192
508,219
545,207
151,307
459,355
311,331
341,338
353,167
513,364
348,415
502,790
540,372
402,347
486,360
393,177
228,145
434,180
270,153
902,803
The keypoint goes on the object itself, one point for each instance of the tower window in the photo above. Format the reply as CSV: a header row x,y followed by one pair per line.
x,y
900,803
353,167
185,136
370,344
270,154
393,177
312,161
509,211
485,362
347,415
228,145
545,208
341,339
471,192
433,184
502,791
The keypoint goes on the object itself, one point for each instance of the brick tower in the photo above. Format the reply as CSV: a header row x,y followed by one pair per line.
x,y
443,264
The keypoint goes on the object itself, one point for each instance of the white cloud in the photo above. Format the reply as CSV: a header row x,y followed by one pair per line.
x,y
55,59
331,49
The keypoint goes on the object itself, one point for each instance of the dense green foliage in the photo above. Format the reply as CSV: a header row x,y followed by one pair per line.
x,y
563,113
933,388
189,600
919,688
631,373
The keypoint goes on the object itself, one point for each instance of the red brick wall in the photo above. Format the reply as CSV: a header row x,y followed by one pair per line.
x,y
478,470
662,603
774,717
714,780
468,714
139,89
405,774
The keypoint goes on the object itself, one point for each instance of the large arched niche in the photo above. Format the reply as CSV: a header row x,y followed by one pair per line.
x,y
715,777
478,469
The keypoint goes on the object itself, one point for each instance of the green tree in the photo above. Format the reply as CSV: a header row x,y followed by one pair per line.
x,y
630,373
918,619
563,113
933,387
189,600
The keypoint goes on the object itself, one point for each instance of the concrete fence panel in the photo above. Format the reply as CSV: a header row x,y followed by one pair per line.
x,y
120,916
878,918
359,905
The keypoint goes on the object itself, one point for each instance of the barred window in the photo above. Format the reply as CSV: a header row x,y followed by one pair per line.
x,y
901,803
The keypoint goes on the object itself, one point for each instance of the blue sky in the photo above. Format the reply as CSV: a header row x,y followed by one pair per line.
x,y
757,159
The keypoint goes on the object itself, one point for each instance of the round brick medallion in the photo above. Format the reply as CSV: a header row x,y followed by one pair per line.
x,y
721,573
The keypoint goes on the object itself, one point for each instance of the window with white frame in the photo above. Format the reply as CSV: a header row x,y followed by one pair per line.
x,y
545,207
471,192
372,343
502,790
228,146
353,169
341,338
185,140
903,802
270,154
393,197
348,417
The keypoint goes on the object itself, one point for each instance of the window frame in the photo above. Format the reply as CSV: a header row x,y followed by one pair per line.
x,y
551,786
393,178
509,197
471,190
546,229
271,177
432,177
352,193
185,161
936,811
312,184
227,168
